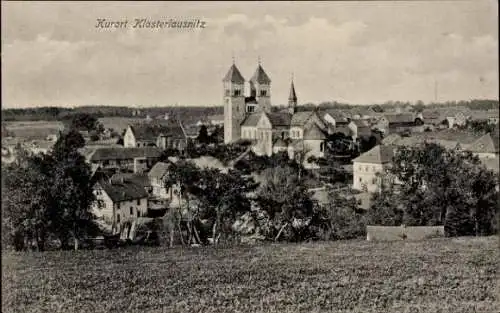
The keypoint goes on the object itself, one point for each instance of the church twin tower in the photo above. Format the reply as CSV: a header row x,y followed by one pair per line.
x,y
237,106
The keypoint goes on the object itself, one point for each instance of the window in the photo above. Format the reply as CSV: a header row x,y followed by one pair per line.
x,y
138,213
131,210
228,92
322,147
138,201
237,92
374,181
360,179
101,204
263,93
250,109
118,218
106,162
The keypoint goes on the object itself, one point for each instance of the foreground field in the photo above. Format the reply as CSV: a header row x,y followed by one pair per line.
x,y
441,275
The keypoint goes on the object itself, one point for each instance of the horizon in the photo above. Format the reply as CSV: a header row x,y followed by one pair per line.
x,y
350,52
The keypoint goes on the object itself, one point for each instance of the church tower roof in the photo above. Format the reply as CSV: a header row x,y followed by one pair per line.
x,y
260,76
293,95
234,76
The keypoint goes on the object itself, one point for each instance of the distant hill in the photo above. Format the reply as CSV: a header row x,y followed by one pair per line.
x,y
190,114
62,114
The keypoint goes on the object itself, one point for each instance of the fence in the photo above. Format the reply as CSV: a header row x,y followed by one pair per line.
x,y
394,233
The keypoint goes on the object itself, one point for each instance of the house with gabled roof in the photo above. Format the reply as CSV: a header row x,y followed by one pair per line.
x,y
119,200
368,167
335,118
164,134
398,122
123,159
358,128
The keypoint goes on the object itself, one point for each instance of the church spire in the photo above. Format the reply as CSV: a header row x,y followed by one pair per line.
x,y
292,99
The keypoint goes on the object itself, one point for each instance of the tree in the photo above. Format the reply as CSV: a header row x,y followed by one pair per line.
x,y
340,218
285,200
87,122
437,186
481,127
51,194
203,135
223,198
183,175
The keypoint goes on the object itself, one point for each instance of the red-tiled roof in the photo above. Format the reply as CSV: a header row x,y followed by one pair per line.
x,y
121,153
121,189
150,131
251,120
279,119
380,154
159,170
313,132
301,118
485,144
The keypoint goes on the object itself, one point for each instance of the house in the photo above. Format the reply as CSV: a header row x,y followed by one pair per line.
x,y
359,128
162,134
157,178
119,200
486,147
389,123
217,119
491,116
124,159
368,166
335,118
457,116
192,131
364,113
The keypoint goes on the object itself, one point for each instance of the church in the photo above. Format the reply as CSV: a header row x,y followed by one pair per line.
x,y
249,117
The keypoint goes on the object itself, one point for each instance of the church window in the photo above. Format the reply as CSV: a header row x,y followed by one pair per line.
x,y
263,93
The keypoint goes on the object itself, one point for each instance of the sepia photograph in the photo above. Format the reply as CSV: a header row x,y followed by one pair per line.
x,y
250,156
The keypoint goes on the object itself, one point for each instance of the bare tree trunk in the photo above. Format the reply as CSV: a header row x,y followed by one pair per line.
x,y
279,233
179,229
196,235
214,232
190,233
172,236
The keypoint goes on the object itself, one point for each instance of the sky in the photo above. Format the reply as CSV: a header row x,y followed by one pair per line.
x,y
356,52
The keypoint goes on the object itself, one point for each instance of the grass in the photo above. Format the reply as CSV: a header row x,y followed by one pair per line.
x,y
439,275
34,129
